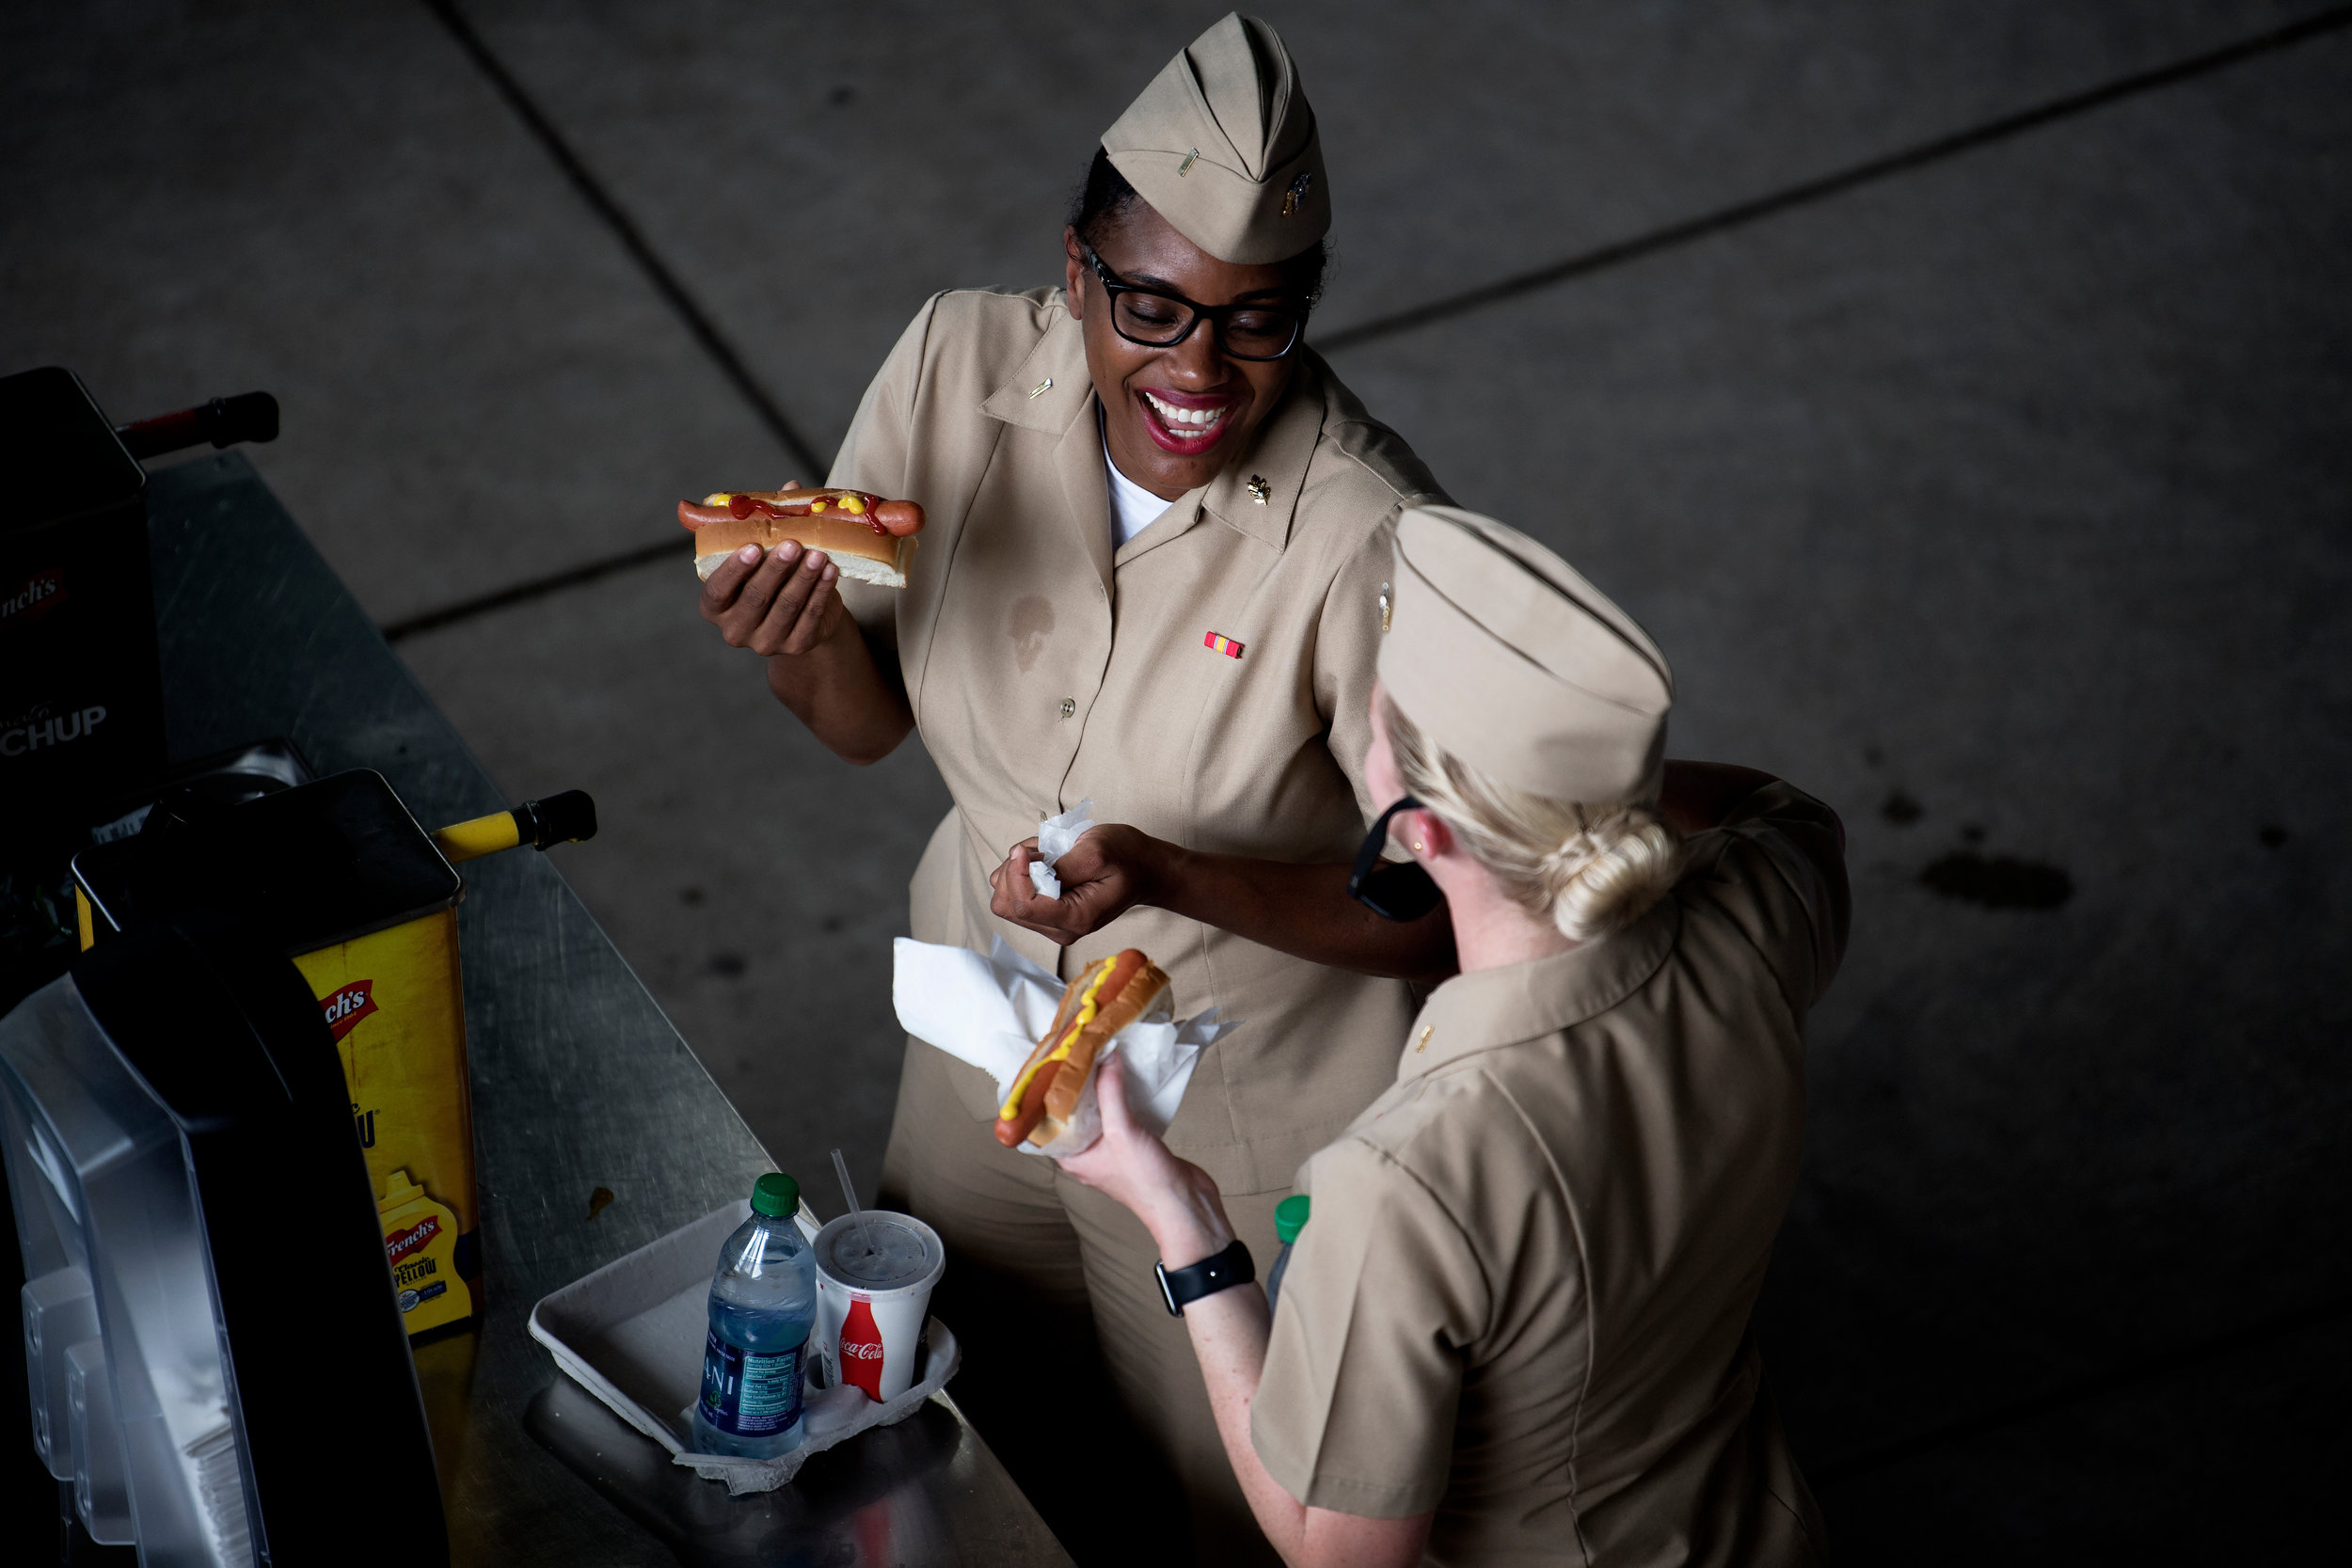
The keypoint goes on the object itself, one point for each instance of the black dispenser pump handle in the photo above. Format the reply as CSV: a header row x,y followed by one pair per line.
x,y
223,421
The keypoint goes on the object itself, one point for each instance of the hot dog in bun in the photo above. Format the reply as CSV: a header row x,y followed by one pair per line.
x,y
1107,996
871,539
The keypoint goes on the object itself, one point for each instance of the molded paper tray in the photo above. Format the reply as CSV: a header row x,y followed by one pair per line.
x,y
632,1335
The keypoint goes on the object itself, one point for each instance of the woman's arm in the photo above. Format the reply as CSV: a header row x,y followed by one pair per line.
x,y
1300,910
848,691
1182,1208
820,665
1699,795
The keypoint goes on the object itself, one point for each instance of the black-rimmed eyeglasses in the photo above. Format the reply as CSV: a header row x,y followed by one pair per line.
x,y
1388,890
1155,318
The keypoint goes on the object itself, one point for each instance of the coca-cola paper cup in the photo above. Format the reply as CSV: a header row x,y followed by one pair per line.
x,y
873,1293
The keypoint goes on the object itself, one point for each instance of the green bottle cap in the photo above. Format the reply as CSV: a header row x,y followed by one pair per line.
x,y
775,1195
1290,1217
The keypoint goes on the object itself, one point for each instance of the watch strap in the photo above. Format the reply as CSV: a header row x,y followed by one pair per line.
x,y
1220,1271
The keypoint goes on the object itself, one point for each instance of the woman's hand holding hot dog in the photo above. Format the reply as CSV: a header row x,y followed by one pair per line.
x,y
788,609
1300,910
1179,1204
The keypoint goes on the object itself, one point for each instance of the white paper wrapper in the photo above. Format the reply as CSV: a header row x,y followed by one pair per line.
x,y
991,1011
1054,835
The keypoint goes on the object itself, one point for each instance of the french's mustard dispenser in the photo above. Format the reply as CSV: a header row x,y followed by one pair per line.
x,y
364,900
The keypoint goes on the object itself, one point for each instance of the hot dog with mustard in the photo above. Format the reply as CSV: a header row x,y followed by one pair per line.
x,y
1108,996
869,538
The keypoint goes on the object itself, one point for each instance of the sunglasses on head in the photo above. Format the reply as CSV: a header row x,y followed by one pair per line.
x,y
1388,889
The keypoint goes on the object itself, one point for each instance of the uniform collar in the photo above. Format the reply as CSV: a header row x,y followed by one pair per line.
x,y
1051,393
1493,1007
1050,388
1258,492
1256,495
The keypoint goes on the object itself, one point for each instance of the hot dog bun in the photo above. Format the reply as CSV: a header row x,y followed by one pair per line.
x,y
1108,996
871,539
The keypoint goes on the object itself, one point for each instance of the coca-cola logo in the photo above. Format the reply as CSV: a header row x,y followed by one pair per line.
x,y
861,1349
347,1007
398,1243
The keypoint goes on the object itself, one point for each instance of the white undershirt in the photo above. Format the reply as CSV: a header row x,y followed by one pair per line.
x,y
1133,508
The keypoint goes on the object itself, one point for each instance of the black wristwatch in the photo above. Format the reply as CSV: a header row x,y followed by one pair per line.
x,y
1220,1272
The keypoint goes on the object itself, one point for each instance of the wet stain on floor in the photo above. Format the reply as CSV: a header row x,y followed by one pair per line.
x,y
1999,882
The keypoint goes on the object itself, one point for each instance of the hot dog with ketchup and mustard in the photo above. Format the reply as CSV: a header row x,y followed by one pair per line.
x,y
869,538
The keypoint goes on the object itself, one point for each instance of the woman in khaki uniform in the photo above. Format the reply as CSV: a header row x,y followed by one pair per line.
x,y
1515,1325
1153,574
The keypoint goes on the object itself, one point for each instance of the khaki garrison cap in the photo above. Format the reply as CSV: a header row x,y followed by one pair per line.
x,y
1223,146
1510,662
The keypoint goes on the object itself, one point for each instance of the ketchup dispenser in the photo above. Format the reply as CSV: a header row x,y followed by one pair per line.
x,y
80,695
81,689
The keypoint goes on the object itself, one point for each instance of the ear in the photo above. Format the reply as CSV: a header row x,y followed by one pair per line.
x,y
1073,275
1429,830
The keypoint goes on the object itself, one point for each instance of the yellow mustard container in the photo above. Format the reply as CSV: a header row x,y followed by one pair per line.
x,y
365,903
421,1240
395,1003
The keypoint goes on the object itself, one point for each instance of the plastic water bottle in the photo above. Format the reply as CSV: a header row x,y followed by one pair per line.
x,y
763,1301
1290,1218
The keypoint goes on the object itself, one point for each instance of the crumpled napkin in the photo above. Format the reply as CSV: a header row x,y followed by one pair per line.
x,y
1054,835
991,1011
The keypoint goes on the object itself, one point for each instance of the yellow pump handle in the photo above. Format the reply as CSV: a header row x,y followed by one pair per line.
x,y
482,835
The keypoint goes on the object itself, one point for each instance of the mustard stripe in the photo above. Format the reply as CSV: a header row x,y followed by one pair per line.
x,y
1087,1010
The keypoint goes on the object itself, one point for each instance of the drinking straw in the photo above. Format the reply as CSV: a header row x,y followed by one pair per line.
x,y
864,1234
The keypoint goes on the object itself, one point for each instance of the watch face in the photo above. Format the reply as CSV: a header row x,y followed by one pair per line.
x,y
1175,1309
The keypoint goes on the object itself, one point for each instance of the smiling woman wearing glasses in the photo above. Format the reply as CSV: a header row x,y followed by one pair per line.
x,y
1155,574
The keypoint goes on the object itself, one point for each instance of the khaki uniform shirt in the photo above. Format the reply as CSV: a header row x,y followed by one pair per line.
x,y
1521,1298
1043,669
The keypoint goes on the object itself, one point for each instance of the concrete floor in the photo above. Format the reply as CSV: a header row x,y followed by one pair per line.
x,y
1998,497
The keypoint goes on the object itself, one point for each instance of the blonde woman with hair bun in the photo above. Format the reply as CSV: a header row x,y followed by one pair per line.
x,y
1588,868
1512,1326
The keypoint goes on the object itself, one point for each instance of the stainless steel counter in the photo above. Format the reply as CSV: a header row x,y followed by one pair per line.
x,y
579,1083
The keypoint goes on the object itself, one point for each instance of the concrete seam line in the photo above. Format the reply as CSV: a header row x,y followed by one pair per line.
x,y
536,587
1837,183
2213,1349
665,282
1719,221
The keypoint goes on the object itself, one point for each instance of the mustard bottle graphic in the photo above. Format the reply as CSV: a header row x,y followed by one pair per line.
x,y
420,1238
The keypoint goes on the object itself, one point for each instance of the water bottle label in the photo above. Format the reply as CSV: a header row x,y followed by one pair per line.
x,y
750,1393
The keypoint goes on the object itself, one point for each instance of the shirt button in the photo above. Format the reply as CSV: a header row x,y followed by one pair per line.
x,y
1068,706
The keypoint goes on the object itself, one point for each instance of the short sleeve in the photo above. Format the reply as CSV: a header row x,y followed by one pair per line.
x,y
1355,1411
874,457
1347,652
1776,866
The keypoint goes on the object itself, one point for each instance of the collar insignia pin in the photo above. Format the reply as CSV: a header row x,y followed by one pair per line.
x,y
1258,489
1045,385
1185,168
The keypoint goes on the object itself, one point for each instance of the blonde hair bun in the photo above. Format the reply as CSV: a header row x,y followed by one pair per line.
x,y
1590,868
